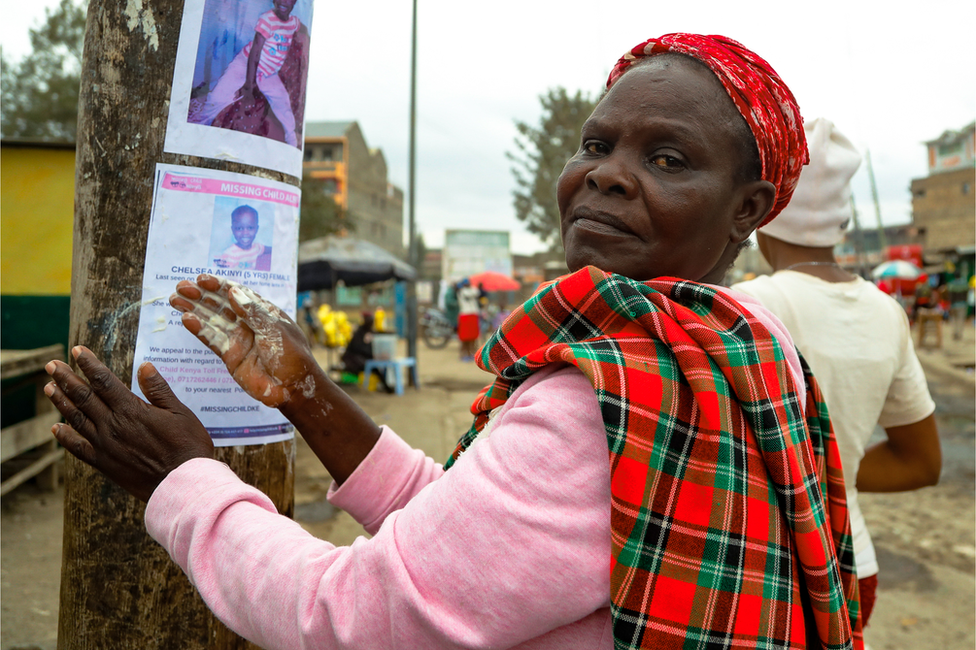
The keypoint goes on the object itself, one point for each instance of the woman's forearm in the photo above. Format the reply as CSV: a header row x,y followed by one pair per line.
x,y
338,431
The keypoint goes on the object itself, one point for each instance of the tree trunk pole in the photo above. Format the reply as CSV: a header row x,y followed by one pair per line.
x,y
119,589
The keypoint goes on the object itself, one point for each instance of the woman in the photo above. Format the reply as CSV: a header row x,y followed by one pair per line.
x,y
469,318
719,535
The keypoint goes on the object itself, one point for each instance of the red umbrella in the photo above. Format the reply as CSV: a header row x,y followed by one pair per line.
x,y
494,281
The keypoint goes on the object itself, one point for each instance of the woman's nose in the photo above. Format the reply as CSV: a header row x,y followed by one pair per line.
x,y
611,176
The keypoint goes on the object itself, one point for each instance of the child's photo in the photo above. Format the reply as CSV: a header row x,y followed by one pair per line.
x,y
238,240
251,67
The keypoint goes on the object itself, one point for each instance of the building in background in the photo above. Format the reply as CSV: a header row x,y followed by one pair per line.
x,y
467,252
430,266
944,202
531,270
356,175
37,194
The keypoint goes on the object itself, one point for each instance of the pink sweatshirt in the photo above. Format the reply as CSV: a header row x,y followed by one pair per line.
x,y
509,549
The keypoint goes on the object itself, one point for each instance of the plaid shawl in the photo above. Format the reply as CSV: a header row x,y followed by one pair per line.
x,y
720,533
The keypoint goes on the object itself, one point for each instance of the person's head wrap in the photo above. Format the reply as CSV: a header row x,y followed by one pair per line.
x,y
821,207
760,95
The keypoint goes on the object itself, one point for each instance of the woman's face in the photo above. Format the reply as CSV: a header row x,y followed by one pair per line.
x,y
653,190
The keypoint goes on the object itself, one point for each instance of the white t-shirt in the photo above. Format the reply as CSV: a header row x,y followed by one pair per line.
x,y
859,347
467,297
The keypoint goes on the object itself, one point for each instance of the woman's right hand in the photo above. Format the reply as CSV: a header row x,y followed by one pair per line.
x,y
264,350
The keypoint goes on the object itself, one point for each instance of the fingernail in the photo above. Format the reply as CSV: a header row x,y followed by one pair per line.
x,y
50,367
55,428
49,389
76,351
241,297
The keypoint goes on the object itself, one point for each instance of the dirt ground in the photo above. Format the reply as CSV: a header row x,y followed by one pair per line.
x,y
926,540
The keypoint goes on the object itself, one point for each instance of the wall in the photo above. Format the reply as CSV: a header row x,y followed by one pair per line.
x,y
953,150
36,224
944,204
375,206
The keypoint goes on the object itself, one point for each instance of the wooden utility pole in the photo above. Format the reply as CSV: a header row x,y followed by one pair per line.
x,y
119,589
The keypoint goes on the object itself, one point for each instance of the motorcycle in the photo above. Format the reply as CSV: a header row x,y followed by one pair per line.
x,y
435,329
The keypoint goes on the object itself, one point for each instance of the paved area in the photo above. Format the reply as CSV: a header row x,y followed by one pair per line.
x,y
953,360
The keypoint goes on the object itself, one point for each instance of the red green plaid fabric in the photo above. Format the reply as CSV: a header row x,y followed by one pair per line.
x,y
721,534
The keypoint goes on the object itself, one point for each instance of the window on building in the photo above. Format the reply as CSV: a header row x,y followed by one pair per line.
x,y
965,188
332,152
919,193
308,153
950,148
330,186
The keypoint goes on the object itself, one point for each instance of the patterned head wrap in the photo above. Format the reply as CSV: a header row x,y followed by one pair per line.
x,y
762,98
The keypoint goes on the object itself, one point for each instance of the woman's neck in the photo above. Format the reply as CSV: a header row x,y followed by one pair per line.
x,y
818,262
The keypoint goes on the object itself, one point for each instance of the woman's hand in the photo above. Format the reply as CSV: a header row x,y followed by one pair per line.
x,y
264,350
133,443
268,356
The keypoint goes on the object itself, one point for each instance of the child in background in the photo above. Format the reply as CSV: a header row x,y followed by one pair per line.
x,y
245,253
256,67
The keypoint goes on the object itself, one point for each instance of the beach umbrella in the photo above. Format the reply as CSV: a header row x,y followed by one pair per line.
x,y
494,281
900,269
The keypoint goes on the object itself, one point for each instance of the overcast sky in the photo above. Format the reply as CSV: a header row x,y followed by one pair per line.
x,y
890,75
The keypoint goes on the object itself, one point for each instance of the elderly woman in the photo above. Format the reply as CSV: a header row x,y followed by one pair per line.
x,y
650,468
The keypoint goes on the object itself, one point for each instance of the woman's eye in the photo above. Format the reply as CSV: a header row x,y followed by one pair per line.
x,y
595,147
666,161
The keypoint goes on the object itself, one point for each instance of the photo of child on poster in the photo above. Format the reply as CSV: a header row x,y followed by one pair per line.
x,y
237,239
251,68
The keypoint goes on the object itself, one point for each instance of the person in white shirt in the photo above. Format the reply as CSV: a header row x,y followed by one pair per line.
x,y
469,319
855,338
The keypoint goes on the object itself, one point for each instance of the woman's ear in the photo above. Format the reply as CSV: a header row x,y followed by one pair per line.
x,y
756,202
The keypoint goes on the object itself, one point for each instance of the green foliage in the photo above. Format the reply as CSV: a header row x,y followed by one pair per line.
x,y
320,214
40,93
541,152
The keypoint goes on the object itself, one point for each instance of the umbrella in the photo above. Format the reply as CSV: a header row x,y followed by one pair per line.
x,y
494,281
896,269
324,261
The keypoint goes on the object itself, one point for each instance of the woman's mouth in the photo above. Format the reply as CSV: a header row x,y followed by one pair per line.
x,y
600,222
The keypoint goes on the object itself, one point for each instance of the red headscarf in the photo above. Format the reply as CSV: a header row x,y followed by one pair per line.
x,y
762,98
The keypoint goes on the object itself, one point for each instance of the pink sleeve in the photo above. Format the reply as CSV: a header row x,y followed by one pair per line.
x,y
385,481
511,543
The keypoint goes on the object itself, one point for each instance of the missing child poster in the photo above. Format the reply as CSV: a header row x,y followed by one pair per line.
x,y
239,82
233,226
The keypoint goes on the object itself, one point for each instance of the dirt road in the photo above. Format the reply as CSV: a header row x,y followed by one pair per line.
x,y
926,540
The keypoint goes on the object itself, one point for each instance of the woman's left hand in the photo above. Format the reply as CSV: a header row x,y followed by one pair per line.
x,y
133,443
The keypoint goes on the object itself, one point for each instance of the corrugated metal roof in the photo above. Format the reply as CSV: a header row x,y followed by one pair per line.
x,y
327,129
